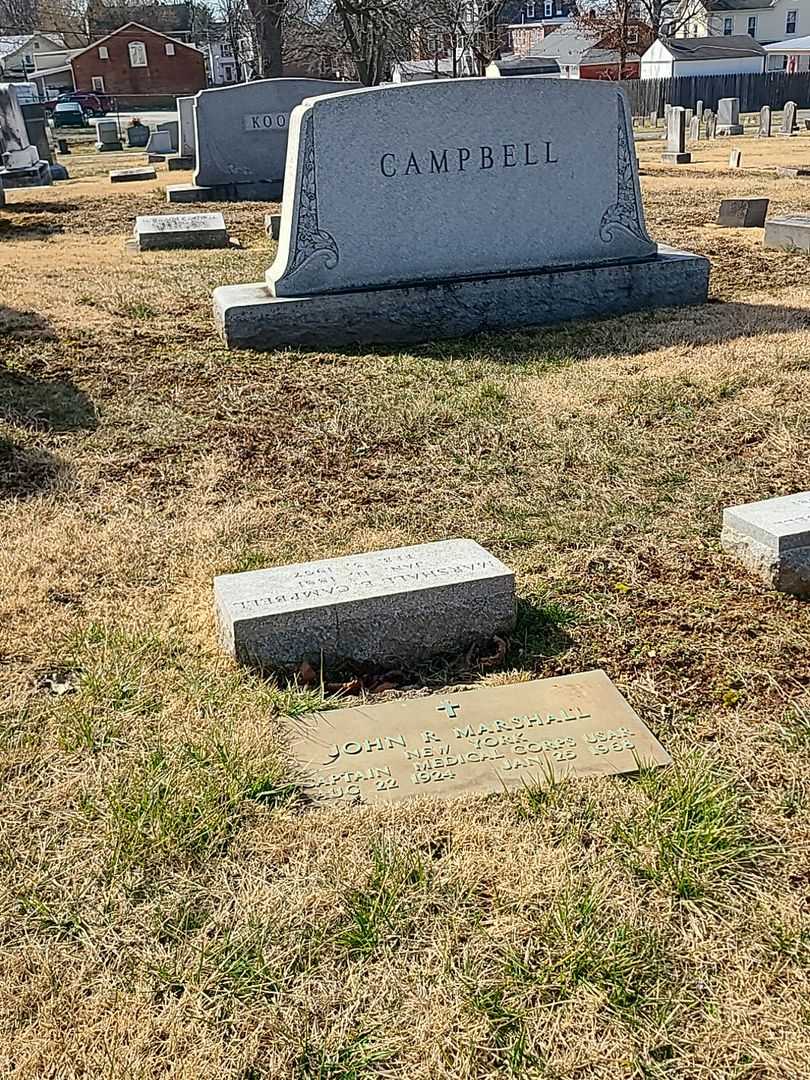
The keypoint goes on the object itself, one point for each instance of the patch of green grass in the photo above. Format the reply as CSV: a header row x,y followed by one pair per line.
x,y
183,802
693,834
796,727
540,629
510,1046
356,1059
139,310
378,912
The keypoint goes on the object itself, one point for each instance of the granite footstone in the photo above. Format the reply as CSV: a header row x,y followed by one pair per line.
x,y
403,605
788,233
474,742
772,538
126,176
166,232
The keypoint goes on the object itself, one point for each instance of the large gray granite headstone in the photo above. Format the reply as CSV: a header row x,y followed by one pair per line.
x,y
163,232
185,112
471,157
241,131
772,538
728,117
676,153
402,605
16,151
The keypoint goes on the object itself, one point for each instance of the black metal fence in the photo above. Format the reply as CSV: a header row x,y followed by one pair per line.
x,y
773,88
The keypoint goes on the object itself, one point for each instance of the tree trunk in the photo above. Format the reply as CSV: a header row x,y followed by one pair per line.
x,y
268,15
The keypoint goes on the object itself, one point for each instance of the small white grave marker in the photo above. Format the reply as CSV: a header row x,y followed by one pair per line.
x,y
772,538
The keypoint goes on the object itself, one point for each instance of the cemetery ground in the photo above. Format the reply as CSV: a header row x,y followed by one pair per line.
x,y
169,908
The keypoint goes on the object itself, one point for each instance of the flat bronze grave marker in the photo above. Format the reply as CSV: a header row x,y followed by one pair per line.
x,y
473,742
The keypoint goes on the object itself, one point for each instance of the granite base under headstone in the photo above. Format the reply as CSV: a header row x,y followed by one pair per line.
x,y
179,163
788,233
481,741
772,538
743,213
351,269
167,232
404,605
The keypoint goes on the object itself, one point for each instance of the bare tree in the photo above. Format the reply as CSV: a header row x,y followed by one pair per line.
x,y
616,24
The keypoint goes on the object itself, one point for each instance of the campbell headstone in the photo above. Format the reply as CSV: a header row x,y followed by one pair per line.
x,y
765,122
788,119
676,152
743,213
788,233
164,232
404,605
465,156
728,117
475,742
772,538
240,133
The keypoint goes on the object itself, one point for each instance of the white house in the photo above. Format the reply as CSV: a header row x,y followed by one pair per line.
x,y
672,57
763,21
792,54
18,55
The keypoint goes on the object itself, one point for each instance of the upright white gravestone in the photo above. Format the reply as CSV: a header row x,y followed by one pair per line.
x,y
20,164
436,209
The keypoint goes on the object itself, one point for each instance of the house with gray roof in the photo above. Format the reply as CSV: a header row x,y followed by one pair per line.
x,y
719,55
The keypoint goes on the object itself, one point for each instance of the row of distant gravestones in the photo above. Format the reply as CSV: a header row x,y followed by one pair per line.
x,y
727,116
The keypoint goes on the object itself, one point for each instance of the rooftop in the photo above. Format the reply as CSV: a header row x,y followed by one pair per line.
x,y
713,48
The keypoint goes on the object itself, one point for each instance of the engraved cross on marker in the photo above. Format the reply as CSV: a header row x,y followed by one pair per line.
x,y
449,708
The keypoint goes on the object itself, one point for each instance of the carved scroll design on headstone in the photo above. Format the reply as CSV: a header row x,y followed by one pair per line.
x,y
310,239
625,212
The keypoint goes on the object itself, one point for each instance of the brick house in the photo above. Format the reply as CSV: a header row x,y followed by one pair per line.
x,y
134,63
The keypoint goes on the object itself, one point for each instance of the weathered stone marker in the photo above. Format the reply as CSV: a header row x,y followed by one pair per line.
x,y
20,163
711,124
676,153
735,159
765,122
793,171
465,156
124,176
743,213
108,137
788,233
699,109
772,538
402,605
694,129
170,231
788,119
240,137
728,117
473,742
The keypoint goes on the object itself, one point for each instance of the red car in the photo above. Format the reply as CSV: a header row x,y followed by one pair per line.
x,y
92,103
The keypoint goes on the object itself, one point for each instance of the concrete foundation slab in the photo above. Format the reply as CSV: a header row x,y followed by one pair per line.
x,y
264,191
179,162
249,318
671,157
125,176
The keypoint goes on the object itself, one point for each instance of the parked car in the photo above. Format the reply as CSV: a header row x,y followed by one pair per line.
x,y
69,114
92,104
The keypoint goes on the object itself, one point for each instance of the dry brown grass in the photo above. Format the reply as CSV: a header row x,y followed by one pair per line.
x,y
166,909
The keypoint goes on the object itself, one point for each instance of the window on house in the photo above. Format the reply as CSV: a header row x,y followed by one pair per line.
x,y
632,35
228,73
752,25
137,54
98,83
169,48
548,8
103,52
777,62
529,8
36,44
728,25
694,29
29,59
791,20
